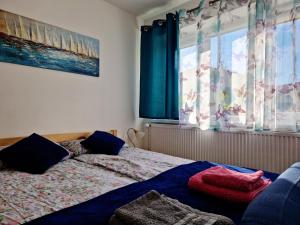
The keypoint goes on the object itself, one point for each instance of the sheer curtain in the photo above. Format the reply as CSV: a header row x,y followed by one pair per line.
x,y
240,65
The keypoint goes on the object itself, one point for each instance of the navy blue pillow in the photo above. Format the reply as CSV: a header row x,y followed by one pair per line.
x,y
279,204
34,154
103,143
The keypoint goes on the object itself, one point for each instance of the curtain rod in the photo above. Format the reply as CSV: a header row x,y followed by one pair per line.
x,y
212,2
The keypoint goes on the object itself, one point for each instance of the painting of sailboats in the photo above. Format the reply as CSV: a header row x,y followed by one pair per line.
x,y
29,42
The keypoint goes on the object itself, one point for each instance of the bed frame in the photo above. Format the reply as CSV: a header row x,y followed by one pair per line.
x,y
54,137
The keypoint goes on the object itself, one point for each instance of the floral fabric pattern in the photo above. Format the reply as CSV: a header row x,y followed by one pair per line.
x,y
74,147
25,197
240,65
137,164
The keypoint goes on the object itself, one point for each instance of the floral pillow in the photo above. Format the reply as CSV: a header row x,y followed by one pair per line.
x,y
74,147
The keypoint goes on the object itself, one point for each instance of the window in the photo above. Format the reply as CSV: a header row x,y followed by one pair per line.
x,y
233,77
286,76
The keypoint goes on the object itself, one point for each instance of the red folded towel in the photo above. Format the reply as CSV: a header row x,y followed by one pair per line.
x,y
196,182
222,177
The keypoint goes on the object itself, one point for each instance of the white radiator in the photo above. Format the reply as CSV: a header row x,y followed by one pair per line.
x,y
268,151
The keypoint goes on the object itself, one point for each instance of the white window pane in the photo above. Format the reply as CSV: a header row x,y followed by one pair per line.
x,y
188,80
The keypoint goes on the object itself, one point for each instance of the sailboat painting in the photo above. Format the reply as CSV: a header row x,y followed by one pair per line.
x,y
28,42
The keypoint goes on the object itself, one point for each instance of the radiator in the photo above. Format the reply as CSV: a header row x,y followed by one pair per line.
x,y
268,151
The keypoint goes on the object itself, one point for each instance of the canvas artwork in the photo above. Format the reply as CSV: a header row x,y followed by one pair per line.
x,y
29,42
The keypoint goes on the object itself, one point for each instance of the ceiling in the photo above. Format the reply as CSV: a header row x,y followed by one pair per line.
x,y
138,7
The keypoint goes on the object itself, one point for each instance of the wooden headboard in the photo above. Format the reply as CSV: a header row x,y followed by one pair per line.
x,y
53,137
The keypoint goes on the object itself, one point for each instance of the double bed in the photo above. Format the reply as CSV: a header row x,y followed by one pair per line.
x,y
25,197
88,188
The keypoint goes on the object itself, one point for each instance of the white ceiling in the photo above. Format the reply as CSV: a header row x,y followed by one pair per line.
x,y
138,7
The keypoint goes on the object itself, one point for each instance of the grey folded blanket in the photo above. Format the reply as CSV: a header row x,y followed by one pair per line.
x,y
155,209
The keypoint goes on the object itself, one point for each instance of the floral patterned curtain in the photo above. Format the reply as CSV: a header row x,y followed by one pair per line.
x,y
240,65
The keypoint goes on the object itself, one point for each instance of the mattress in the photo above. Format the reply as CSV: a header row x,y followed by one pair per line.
x,y
25,197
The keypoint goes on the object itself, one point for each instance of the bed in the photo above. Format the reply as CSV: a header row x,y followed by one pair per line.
x,y
25,197
88,188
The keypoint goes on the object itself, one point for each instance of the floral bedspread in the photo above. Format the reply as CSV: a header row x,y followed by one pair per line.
x,y
137,164
24,197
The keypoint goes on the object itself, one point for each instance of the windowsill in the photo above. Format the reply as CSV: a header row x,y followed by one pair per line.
x,y
162,121
176,125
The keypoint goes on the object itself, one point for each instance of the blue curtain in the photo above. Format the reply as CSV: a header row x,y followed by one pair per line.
x,y
159,69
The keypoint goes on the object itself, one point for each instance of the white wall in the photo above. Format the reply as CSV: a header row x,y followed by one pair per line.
x,y
46,101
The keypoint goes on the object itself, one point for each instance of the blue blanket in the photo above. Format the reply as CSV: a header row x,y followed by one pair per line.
x,y
172,183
